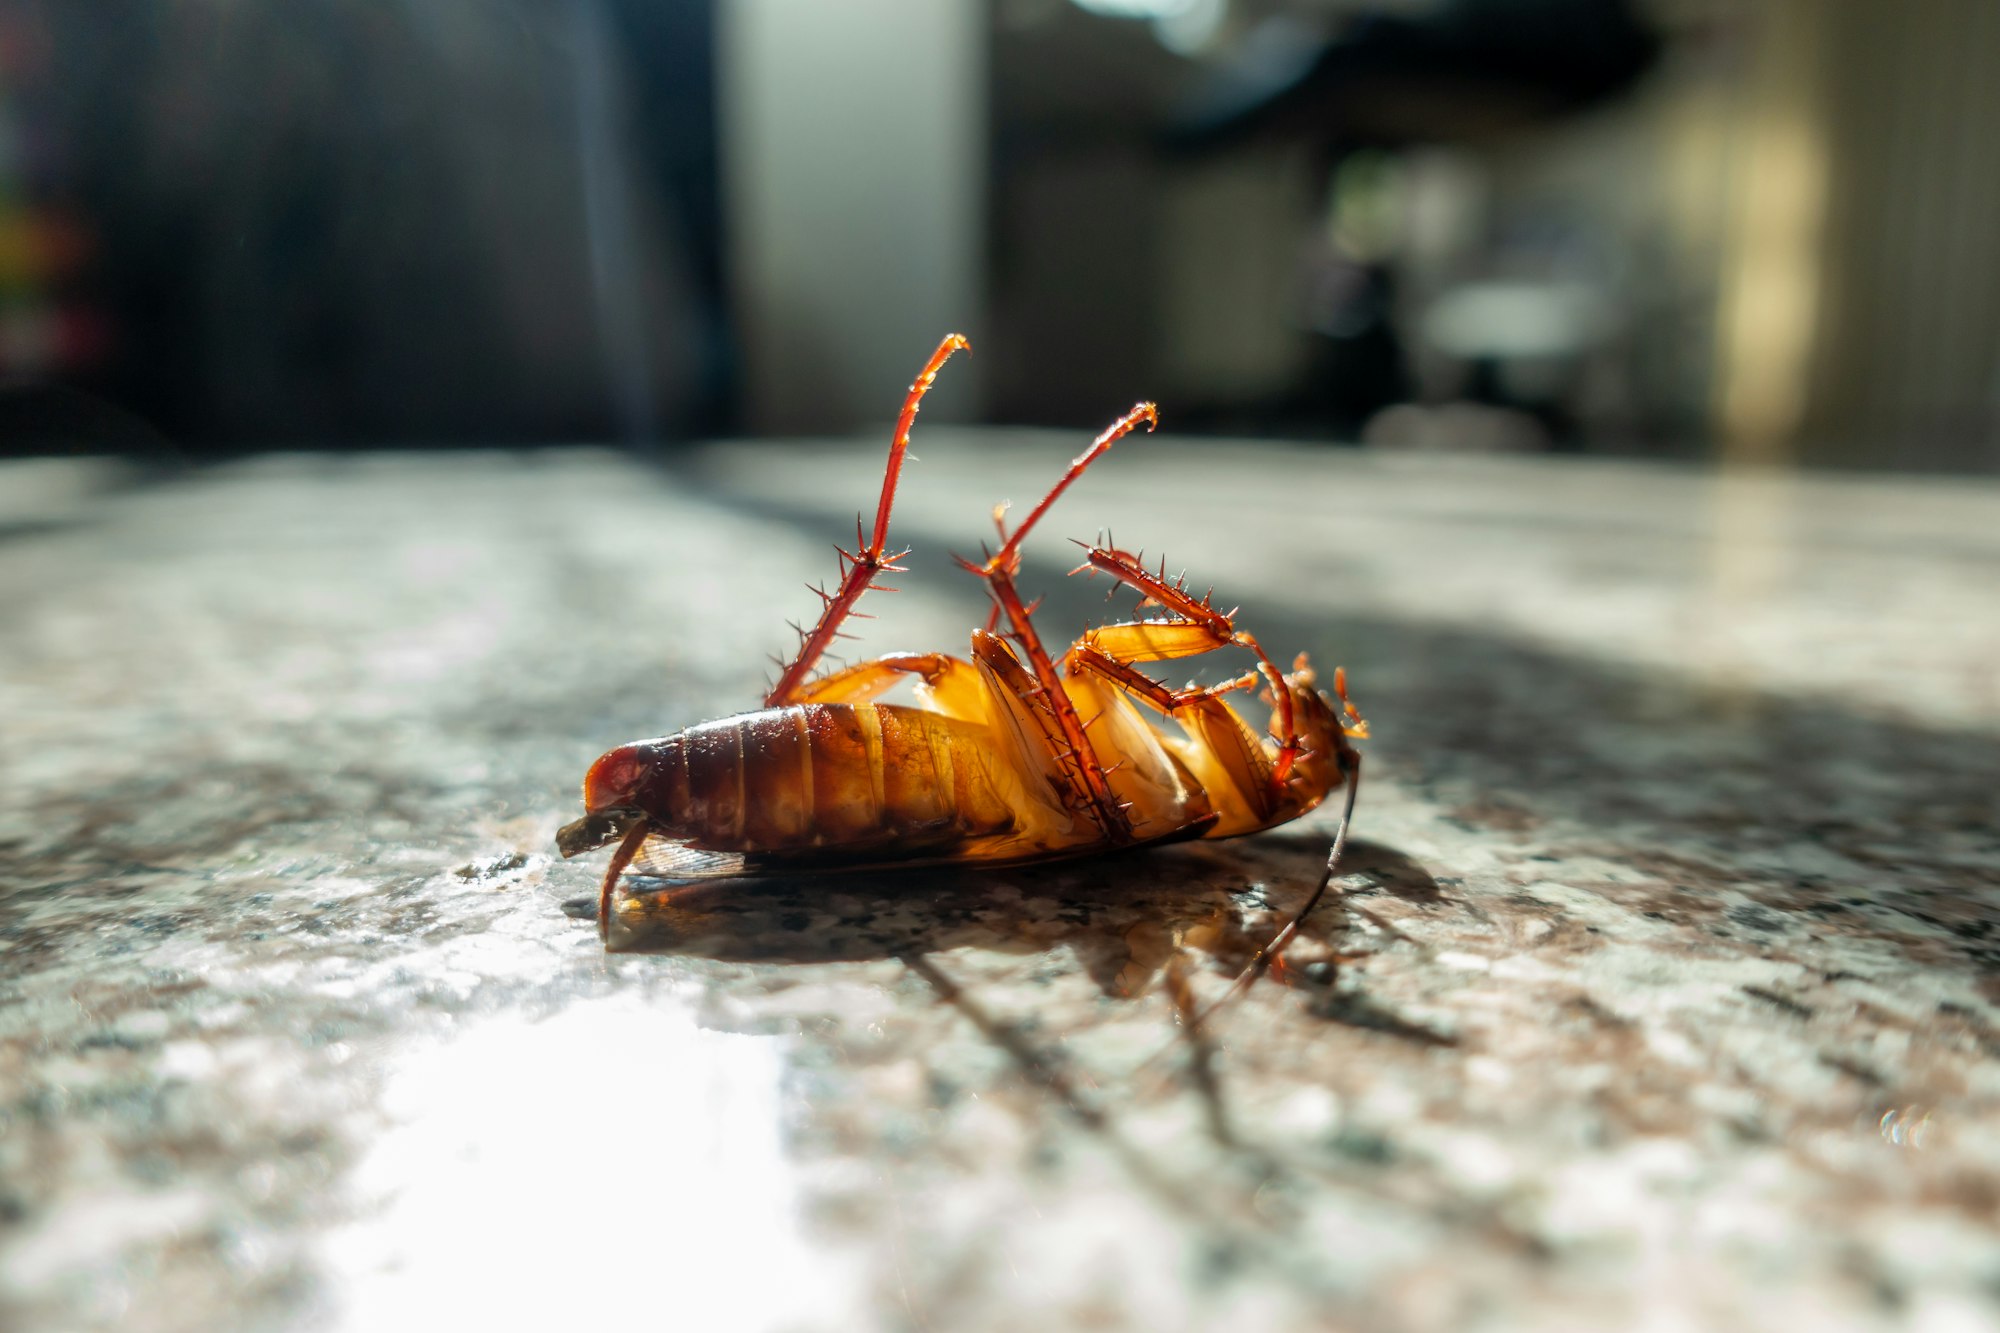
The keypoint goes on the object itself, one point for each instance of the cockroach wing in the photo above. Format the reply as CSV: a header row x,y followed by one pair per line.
x,y
671,859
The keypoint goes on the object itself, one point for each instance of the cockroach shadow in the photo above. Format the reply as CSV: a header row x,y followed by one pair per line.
x,y
1118,916
1367,869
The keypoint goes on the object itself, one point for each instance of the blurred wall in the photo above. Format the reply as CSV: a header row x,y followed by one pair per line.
x,y
1466,224
1905,358
855,138
409,221
1450,223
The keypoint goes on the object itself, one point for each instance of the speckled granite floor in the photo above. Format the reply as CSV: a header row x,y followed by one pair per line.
x,y
1663,990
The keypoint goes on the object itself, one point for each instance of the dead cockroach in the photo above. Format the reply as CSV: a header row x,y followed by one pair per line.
x,y
1004,759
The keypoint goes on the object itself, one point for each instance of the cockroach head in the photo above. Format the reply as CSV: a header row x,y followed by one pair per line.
x,y
611,797
617,777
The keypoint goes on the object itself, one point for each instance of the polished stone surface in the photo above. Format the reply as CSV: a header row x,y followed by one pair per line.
x,y
1663,989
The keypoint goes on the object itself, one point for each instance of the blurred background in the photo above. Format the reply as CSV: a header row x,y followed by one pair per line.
x,y
1762,230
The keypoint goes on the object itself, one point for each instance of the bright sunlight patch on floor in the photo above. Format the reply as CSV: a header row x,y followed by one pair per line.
x,y
615,1162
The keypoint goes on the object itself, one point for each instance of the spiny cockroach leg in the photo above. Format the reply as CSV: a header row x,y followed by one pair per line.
x,y
1086,657
999,570
1009,552
871,557
1093,791
1173,597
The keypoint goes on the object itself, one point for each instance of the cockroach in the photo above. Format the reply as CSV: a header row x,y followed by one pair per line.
x,y
1009,758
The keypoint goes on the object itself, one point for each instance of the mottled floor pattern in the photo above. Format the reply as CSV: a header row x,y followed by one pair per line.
x,y
1662,990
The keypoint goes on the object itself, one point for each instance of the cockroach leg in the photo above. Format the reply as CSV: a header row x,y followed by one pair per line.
x,y
1202,713
1088,656
999,569
1016,700
628,848
872,557
1196,627
946,684
1086,770
863,681
1009,552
